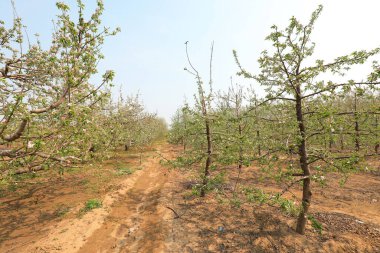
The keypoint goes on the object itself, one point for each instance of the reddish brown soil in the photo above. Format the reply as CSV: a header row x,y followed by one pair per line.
x,y
30,220
350,215
139,213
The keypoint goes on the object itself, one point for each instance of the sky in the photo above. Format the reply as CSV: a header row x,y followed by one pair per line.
x,y
148,55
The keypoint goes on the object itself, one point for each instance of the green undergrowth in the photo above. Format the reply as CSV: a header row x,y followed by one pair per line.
x,y
315,224
90,205
124,171
214,183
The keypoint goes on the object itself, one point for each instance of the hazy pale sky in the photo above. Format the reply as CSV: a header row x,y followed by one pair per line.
x,y
149,53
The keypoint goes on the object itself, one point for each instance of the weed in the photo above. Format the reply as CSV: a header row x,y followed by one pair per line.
x,y
73,169
288,206
235,202
12,187
124,171
315,224
2,194
196,190
89,205
213,184
25,176
256,195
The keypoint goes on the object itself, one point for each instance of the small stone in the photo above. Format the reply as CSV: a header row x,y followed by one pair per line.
x,y
359,221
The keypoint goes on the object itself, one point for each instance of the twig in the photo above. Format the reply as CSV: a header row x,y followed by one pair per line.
x,y
162,156
175,213
290,185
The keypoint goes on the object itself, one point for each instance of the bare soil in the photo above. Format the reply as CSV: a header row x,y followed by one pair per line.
x,y
153,210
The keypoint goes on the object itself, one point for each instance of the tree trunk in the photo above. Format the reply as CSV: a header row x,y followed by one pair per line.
x,y
377,143
258,141
331,137
184,136
257,131
357,134
208,160
240,162
302,153
240,148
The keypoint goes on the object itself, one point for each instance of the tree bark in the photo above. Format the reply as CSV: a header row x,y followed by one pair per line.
x,y
209,153
258,140
357,134
377,144
302,153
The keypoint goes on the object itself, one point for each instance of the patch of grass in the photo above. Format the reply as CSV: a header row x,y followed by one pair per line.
x,y
3,187
288,206
12,187
90,205
124,171
213,184
236,202
315,224
2,194
73,170
25,176
256,195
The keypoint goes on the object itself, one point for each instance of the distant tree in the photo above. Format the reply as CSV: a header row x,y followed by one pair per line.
x,y
232,129
179,127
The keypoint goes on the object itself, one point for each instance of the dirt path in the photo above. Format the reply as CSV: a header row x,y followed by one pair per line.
x,y
135,223
133,219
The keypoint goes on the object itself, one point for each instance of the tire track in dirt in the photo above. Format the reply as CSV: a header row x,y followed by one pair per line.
x,y
135,223
132,219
